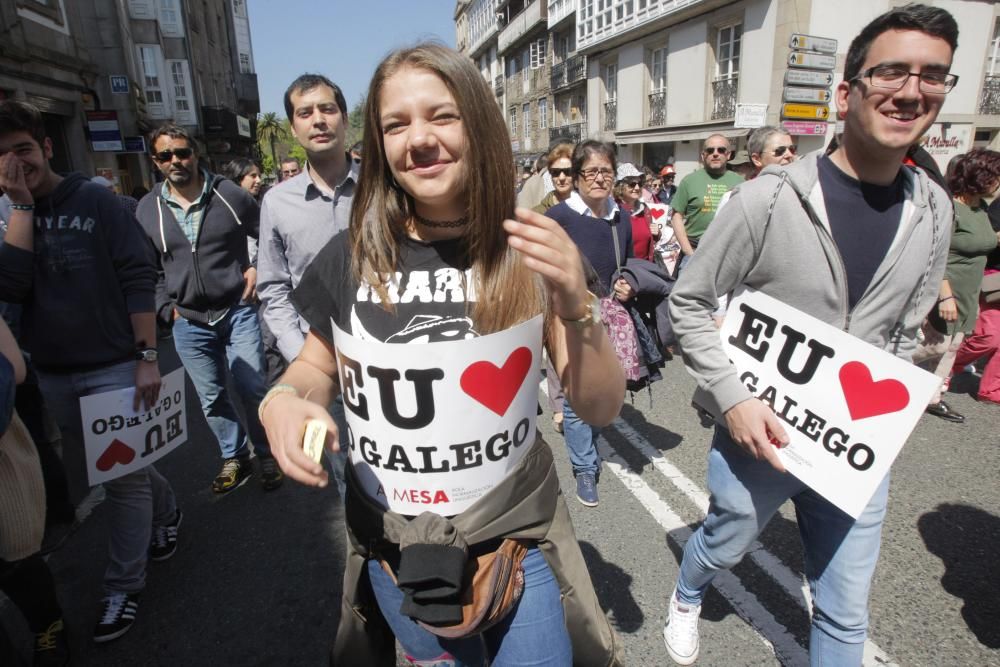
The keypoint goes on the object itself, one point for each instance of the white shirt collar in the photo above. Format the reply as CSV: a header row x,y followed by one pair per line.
x,y
575,202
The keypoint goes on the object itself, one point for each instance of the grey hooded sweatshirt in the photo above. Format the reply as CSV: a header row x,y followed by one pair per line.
x,y
774,236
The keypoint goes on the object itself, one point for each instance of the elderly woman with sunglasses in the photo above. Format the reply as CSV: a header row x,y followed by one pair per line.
x,y
628,195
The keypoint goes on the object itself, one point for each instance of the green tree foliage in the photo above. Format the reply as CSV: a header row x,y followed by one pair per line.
x,y
270,130
356,123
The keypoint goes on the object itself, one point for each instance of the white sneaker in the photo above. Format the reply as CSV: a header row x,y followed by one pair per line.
x,y
680,633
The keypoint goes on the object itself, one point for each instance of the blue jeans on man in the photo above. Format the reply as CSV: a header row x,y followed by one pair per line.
x,y
232,344
840,552
136,502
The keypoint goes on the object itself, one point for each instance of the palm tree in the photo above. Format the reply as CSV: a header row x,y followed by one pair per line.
x,y
270,129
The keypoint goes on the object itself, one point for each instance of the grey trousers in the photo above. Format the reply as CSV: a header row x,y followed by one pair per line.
x,y
136,501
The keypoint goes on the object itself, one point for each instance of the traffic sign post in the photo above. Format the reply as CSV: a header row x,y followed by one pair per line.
x,y
807,60
807,111
801,42
801,77
808,95
802,127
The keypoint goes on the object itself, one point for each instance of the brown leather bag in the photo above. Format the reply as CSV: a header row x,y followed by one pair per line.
x,y
492,585
991,288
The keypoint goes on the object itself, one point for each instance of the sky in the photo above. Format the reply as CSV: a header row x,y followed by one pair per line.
x,y
342,39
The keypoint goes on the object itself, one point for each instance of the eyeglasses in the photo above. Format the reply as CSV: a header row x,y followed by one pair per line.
x,y
167,156
721,150
780,150
590,175
894,78
556,172
631,183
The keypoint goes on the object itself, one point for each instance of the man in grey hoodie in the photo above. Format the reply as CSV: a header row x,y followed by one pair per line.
x,y
856,240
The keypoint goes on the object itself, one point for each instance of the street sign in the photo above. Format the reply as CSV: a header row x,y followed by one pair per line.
x,y
119,84
802,127
799,77
812,61
135,144
105,133
751,115
809,111
811,43
810,95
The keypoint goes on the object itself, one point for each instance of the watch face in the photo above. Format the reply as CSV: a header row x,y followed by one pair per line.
x,y
148,355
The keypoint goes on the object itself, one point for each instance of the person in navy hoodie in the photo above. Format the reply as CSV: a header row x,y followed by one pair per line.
x,y
74,258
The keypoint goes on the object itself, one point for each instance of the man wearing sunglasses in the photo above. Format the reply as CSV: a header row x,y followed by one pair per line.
x,y
698,195
853,238
198,223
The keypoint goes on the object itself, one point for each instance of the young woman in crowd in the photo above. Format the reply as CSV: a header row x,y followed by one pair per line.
x,y
971,177
435,193
590,216
245,173
628,195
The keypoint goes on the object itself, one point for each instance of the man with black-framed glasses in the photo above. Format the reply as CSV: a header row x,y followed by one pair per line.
x,y
697,197
198,224
853,238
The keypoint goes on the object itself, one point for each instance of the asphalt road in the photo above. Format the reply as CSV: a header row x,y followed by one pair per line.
x,y
257,576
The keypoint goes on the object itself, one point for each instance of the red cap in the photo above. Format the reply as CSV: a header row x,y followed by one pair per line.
x,y
666,171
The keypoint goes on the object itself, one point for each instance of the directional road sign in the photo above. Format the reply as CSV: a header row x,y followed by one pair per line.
x,y
807,111
812,61
801,77
810,95
812,43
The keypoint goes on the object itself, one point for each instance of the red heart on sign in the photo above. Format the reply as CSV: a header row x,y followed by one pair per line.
x,y
867,398
496,387
117,452
657,212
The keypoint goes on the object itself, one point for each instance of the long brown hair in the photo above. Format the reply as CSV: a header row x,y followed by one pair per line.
x,y
507,292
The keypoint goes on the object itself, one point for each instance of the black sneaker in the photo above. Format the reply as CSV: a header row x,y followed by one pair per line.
x,y
164,542
51,647
235,472
117,617
945,412
271,476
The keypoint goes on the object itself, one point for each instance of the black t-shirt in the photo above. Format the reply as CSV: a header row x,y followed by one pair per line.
x,y
431,294
864,219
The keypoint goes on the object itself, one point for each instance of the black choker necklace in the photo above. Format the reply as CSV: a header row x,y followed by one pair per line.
x,y
439,223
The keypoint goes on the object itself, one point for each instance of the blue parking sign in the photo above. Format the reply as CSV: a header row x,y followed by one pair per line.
x,y
119,84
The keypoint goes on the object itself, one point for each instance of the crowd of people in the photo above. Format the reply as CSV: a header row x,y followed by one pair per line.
x,y
413,237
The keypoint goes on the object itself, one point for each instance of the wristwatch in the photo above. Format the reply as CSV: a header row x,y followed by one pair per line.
x,y
149,354
591,313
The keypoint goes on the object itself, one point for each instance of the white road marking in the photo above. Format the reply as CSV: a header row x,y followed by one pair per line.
x,y
746,604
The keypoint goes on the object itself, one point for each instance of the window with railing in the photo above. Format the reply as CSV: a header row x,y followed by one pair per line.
x,y
989,99
543,114
526,120
658,86
513,121
610,78
727,70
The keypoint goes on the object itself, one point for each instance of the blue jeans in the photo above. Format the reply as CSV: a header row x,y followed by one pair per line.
x,y
233,343
136,501
840,553
533,633
581,442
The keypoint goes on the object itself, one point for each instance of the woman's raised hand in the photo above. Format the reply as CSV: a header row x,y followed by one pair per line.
x,y
284,418
547,250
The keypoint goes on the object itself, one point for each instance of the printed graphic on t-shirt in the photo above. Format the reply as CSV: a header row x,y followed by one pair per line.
x,y
713,195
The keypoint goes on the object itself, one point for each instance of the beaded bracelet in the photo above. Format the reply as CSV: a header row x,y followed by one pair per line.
x,y
274,391
23,207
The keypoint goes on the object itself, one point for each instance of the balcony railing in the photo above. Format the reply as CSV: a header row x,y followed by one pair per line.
x,y
611,115
989,100
568,72
498,85
724,97
658,108
573,132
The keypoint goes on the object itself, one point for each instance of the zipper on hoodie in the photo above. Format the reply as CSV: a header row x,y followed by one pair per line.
x,y
199,283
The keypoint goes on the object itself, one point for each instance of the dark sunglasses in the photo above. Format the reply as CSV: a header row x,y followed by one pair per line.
x,y
716,149
556,172
632,183
780,150
167,156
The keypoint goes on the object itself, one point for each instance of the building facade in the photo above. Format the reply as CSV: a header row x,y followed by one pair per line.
x,y
105,73
656,77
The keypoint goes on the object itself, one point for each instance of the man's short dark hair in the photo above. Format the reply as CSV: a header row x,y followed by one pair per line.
x,y
174,132
933,21
308,82
286,160
17,116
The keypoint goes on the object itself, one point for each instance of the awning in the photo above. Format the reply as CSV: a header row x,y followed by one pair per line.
x,y
678,133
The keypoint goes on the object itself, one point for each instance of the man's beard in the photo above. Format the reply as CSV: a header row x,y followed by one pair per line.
x,y
179,177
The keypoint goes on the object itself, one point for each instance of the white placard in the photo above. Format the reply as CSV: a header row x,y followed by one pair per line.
x,y
120,440
847,406
433,427
750,115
